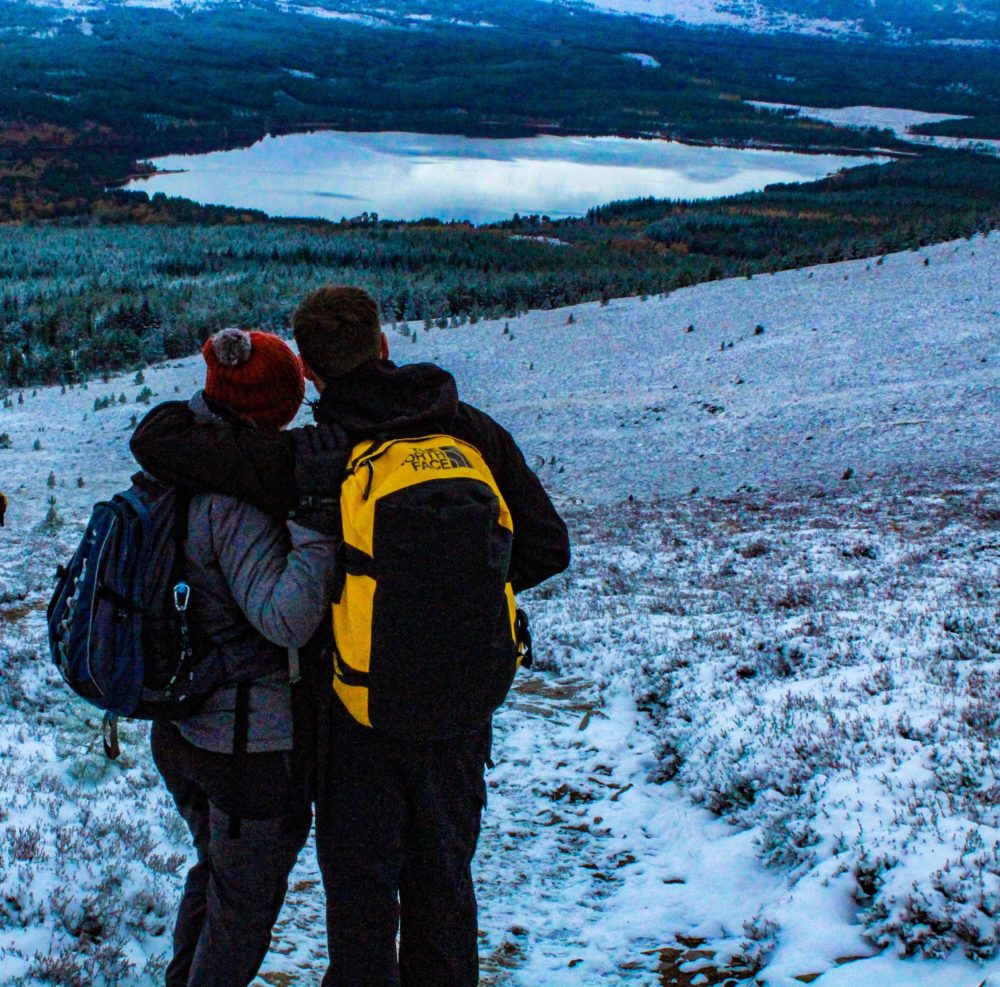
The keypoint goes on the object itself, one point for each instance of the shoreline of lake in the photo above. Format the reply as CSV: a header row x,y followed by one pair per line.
x,y
404,176
555,130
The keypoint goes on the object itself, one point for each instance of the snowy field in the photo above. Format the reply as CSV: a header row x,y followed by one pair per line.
x,y
900,122
750,16
761,743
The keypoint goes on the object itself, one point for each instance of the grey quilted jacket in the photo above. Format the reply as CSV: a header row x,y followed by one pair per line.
x,y
259,587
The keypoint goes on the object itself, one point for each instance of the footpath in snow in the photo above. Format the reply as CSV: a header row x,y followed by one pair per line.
x,y
582,864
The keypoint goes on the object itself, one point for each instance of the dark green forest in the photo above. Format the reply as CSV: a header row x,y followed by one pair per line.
x,y
984,127
82,298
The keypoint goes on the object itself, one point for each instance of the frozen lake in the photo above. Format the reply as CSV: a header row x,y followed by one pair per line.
x,y
332,174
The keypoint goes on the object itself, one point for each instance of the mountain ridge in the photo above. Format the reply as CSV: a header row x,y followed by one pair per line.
x,y
941,21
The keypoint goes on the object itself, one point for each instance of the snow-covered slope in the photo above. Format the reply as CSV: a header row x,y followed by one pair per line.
x,y
784,599
752,15
833,18
873,365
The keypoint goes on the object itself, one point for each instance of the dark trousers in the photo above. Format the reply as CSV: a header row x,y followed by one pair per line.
x,y
397,822
234,892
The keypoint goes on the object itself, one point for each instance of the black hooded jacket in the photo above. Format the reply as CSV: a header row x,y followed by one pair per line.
x,y
376,400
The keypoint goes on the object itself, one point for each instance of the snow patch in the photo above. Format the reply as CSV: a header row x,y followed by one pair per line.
x,y
751,15
552,241
324,13
646,61
901,122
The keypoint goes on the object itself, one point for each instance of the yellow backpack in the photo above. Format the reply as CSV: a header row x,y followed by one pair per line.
x,y
427,637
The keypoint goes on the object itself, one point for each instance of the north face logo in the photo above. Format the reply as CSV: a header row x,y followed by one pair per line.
x,y
443,458
458,461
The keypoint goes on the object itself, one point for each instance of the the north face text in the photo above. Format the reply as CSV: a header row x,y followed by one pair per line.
x,y
444,458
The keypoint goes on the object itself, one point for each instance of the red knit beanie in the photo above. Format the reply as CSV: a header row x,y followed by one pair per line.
x,y
255,374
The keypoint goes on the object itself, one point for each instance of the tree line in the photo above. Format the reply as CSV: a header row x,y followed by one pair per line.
x,y
83,298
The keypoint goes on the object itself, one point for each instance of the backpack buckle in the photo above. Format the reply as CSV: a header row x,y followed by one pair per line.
x,y
109,733
309,501
182,596
522,634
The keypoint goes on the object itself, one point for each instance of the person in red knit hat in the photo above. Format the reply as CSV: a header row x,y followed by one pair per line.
x,y
255,374
259,589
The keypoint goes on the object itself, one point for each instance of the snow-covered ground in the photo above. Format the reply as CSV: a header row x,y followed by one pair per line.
x,y
844,21
900,122
871,364
327,13
762,737
751,15
758,16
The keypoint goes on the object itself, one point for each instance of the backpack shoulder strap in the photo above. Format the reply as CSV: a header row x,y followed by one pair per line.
x,y
241,732
182,520
179,586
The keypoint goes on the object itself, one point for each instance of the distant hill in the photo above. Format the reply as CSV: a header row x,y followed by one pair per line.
x,y
961,21
898,20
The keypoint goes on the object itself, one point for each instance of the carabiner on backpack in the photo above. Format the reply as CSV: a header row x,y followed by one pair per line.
x,y
522,635
109,733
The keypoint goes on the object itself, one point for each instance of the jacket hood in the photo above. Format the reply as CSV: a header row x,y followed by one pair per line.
x,y
379,398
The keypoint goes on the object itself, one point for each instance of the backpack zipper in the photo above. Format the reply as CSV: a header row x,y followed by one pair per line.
x,y
97,558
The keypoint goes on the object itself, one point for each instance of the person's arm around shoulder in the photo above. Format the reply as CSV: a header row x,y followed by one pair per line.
x,y
281,576
256,465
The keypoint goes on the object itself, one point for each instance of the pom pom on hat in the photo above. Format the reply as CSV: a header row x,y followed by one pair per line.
x,y
256,374
232,347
